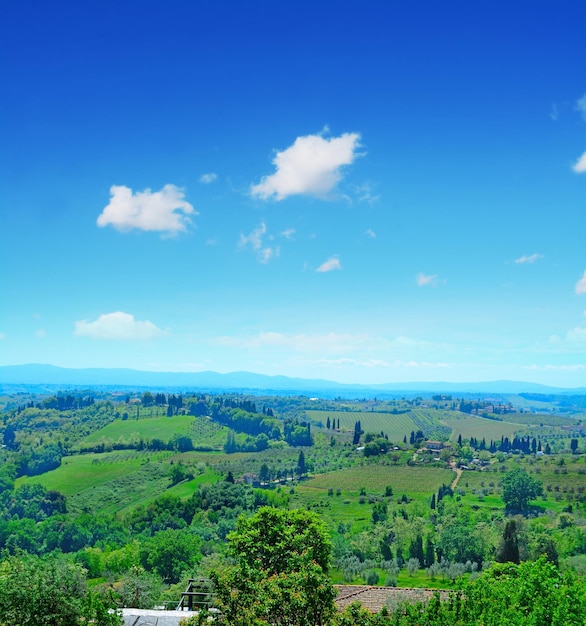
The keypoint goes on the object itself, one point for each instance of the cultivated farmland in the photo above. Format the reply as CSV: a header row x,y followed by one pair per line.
x,y
375,478
480,428
396,426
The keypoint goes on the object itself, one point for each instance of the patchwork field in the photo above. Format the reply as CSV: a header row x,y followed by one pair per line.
x,y
375,478
435,423
480,428
145,428
201,430
337,495
396,426
113,482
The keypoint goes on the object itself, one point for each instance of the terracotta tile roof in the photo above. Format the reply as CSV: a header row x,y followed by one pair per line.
x,y
374,598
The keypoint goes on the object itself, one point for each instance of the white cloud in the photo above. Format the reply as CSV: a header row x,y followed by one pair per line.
x,y
335,343
574,336
554,112
327,343
581,106
2,336
425,280
580,166
369,363
311,166
163,211
119,326
581,284
41,333
206,179
563,368
353,362
529,258
371,233
255,240
577,334
333,263
288,233
365,194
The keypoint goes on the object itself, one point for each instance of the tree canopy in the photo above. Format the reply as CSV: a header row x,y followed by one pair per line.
x,y
519,488
280,576
50,592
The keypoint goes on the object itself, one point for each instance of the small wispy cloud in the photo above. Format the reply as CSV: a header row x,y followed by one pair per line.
x,y
333,263
427,280
311,166
365,194
574,337
206,179
370,233
369,363
581,284
529,258
117,326
581,106
554,114
288,233
580,166
577,334
254,240
41,333
346,361
2,336
329,342
563,368
163,211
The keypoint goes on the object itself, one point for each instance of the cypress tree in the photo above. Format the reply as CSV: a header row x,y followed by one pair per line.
x,y
508,551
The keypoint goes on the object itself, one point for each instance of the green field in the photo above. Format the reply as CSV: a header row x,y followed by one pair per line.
x,y
86,471
537,419
555,478
146,428
114,482
480,428
336,495
375,478
396,426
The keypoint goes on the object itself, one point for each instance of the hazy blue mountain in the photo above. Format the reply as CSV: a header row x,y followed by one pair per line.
x,y
33,374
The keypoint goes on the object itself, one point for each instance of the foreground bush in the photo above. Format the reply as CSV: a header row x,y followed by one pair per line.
x,y
531,594
50,592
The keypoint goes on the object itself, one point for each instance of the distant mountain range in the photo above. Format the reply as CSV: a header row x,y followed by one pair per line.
x,y
50,375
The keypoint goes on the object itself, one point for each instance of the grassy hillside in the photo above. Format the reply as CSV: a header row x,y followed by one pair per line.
x,y
113,482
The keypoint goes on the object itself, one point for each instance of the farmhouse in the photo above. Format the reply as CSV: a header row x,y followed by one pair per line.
x,y
436,446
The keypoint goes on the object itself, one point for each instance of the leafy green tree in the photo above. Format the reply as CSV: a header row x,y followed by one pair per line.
x,y
178,473
170,553
50,592
519,488
380,512
280,576
140,589
459,543
532,593
264,473
9,436
147,399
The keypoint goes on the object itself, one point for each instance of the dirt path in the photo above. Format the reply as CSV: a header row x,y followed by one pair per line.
x,y
458,475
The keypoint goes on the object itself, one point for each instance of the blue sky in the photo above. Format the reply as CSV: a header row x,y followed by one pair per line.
x,y
362,192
